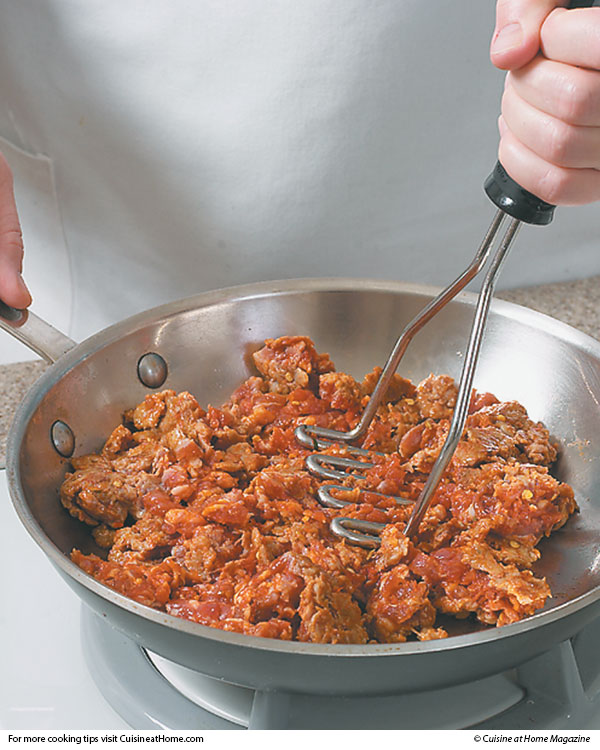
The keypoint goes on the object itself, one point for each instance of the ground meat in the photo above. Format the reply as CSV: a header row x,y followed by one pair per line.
x,y
211,515
95,493
240,458
501,430
149,412
399,606
504,430
274,592
103,536
139,458
145,540
524,502
398,387
148,584
209,548
219,613
422,444
291,362
340,391
466,578
392,422
436,397
120,440
329,616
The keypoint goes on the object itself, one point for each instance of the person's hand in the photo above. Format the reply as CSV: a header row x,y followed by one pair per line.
x,y
550,121
12,287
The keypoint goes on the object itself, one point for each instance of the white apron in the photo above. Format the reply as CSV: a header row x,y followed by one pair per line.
x,y
165,148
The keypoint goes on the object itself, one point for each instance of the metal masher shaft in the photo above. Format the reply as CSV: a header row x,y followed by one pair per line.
x,y
322,437
466,379
423,318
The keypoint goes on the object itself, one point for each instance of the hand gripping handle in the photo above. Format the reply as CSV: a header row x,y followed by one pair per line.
x,y
508,195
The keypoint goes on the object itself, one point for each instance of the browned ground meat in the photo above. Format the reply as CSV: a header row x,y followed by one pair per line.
x,y
211,515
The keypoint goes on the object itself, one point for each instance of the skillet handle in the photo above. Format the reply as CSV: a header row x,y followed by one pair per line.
x,y
508,195
31,330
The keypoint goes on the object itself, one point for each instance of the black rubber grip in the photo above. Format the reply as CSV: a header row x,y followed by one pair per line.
x,y
515,200
508,194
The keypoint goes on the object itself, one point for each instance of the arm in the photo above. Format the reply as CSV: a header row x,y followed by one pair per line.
x,y
12,287
550,121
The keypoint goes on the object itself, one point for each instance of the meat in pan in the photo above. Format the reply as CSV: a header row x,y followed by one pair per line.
x,y
211,515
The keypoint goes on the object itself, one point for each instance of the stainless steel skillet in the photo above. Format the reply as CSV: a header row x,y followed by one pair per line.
x,y
206,341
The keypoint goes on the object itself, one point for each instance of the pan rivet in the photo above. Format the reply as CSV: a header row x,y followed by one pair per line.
x,y
152,370
62,438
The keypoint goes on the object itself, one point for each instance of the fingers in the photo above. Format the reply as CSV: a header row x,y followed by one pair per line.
x,y
550,124
516,39
13,290
569,93
554,140
572,37
552,183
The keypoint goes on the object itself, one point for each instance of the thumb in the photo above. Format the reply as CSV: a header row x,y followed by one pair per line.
x,y
516,39
12,287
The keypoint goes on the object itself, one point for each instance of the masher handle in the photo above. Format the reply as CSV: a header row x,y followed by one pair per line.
x,y
508,195
514,200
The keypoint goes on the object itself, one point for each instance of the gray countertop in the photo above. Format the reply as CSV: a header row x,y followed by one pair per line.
x,y
575,302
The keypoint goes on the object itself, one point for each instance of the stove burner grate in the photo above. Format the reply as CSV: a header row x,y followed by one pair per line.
x,y
558,690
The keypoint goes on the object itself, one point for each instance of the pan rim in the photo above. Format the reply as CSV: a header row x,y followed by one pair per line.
x,y
100,340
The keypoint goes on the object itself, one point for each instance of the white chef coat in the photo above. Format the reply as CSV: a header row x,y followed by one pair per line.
x,y
161,149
